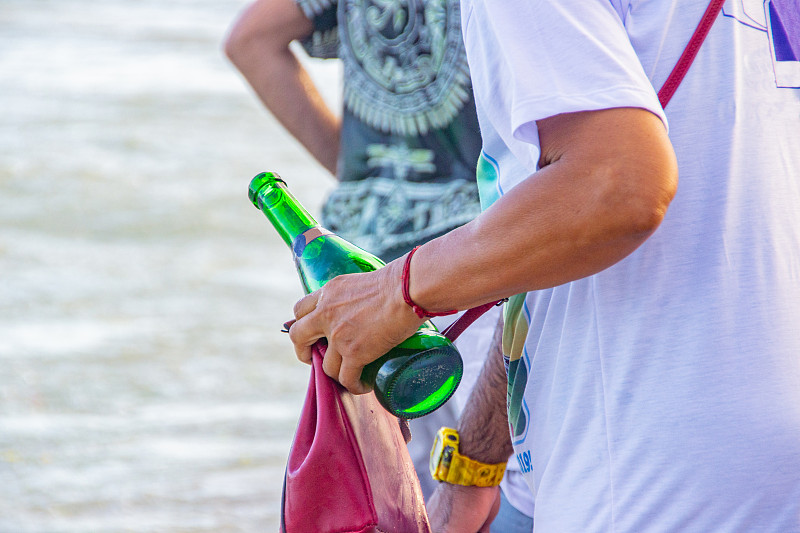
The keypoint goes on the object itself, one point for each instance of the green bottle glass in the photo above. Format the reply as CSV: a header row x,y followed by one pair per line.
x,y
414,378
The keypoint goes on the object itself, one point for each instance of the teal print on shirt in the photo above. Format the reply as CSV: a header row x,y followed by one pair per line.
x,y
515,316
517,410
488,180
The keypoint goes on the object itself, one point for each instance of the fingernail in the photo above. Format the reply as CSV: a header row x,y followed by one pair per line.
x,y
287,325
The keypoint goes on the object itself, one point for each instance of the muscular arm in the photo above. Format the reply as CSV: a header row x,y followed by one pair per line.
x,y
258,45
606,180
604,184
484,436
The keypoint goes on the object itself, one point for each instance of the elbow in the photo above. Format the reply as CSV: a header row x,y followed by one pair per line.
x,y
249,37
235,44
647,208
651,207
646,216
663,186
264,30
640,199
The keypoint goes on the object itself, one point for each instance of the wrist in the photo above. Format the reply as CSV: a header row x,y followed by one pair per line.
x,y
405,280
485,446
393,283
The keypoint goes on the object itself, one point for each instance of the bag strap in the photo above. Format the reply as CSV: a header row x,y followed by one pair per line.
x,y
689,53
470,315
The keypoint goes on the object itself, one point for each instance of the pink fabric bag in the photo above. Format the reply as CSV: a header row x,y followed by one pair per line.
x,y
349,470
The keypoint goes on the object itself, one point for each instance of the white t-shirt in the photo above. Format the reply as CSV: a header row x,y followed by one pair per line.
x,y
662,394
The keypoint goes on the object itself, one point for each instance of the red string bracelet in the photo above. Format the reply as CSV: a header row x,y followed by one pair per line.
x,y
406,280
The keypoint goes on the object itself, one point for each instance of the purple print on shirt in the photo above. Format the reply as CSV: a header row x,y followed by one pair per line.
x,y
780,22
785,21
783,28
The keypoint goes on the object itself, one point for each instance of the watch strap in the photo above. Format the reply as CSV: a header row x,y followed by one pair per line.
x,y
471,473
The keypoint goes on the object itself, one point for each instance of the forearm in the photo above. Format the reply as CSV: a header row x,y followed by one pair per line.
x,y
483,426
578,215
258,45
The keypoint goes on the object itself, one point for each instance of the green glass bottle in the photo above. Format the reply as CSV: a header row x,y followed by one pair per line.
x,y
412,379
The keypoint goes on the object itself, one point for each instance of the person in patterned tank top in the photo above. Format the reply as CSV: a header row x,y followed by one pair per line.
x,y
403,148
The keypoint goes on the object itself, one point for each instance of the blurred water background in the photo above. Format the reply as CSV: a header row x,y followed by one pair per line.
x,y
144,383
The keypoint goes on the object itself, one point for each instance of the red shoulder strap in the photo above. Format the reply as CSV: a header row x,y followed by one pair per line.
x,y
682,66
464,321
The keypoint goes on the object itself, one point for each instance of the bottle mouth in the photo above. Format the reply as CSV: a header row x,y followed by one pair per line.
x,y
261,181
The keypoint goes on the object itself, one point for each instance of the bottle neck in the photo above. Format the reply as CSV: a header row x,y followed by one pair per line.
x,y
268,192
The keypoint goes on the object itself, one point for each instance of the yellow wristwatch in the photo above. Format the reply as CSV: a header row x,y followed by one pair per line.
x,y
451,467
